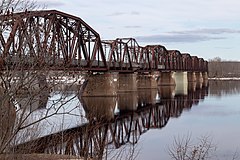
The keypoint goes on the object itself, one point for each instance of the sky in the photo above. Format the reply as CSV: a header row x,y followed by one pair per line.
x,y
205,28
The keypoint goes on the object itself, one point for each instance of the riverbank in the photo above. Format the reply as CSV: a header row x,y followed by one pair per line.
x,y
36,156
225,78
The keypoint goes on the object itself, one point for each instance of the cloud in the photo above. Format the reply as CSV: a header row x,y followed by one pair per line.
x,y
222,47
190,36
117,14
49,3
124,13
132,26
135,13
181,38
208,31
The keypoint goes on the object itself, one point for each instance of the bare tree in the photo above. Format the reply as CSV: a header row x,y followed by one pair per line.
x,y
8,6
184,149
28,98
30,91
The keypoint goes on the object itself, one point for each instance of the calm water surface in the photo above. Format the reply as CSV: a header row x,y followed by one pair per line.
x,y
158,116
217,115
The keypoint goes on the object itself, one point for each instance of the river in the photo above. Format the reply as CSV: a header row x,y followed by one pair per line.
x,y
216,116
145,123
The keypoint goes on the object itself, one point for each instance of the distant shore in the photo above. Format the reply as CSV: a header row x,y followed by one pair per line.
x,y
225,78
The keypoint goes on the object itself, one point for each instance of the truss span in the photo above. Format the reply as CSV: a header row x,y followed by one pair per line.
x,y
61,41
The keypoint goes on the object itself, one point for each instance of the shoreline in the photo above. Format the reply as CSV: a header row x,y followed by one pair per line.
x,y
225,78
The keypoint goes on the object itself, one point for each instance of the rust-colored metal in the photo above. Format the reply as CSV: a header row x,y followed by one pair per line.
x,y
51,38
176,60
195,63
157,55
187,61
205,66
65,42
118,55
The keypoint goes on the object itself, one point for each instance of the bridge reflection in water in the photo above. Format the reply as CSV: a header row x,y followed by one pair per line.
x,y
117,121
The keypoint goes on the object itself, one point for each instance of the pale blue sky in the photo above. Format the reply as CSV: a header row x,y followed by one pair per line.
x,y
206,28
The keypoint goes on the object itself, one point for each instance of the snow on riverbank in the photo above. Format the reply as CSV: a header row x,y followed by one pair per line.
x,y
226,78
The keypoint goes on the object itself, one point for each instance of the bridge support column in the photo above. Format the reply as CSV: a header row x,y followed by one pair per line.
x,y
146,81
181,81
127,101
167,91
147,96
166,79
205,75
199,77
127,82
191,76
99,107
100,85
205,79
192,86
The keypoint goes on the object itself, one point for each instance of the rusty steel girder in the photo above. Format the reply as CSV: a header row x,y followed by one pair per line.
x,y
118,56
201,64
50,38
124,54
195,63
187,61
134,48
176,60
157,56
205,66
61,41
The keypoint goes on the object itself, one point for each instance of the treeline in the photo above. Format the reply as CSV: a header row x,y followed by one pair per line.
x,y
222,88
219,68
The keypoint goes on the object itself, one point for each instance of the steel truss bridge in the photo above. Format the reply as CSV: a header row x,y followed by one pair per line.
x,y
62,41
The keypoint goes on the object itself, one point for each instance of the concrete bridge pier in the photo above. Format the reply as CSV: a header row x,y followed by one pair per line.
x,y
199,80
101,84
199,85
100,108
166,79
127,101
127,82
191,76
147,81
192,86
181,80
147,96
205,75
166,92
199,77
205,79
